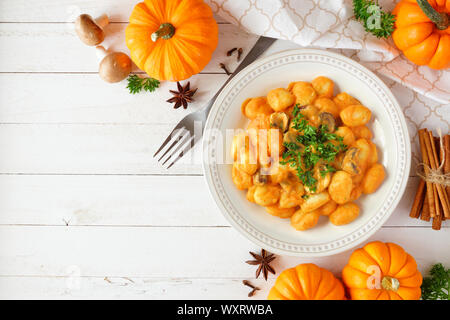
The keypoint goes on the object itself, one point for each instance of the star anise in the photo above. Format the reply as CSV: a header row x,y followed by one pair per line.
x,y
183,96
263,261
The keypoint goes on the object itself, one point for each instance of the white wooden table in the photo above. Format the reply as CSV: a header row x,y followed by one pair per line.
x,y
85,211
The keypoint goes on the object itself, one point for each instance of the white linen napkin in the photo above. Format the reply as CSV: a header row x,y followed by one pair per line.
x,y
331,24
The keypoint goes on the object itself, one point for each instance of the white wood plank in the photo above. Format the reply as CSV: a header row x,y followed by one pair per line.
x,y
127,288
59,50
170,252
66,10
84,98
88,149
107,200
128,201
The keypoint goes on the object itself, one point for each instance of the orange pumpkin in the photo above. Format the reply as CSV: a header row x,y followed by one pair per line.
x,y
382,271
171,39
307,282
422,31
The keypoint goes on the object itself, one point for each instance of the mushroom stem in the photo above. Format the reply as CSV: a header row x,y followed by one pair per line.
x,y
101,52
102,21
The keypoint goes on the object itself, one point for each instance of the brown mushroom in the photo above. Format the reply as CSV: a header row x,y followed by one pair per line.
x,y
259,178
279,120
291,137
114,67
323,177
90,31
349,163
327,119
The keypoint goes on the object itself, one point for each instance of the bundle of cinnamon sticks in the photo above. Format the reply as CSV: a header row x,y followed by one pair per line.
x,y
432,200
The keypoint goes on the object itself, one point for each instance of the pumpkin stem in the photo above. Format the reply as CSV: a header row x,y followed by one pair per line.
x,y
165,31
440,19
389,283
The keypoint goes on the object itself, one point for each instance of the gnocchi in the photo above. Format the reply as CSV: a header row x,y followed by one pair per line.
x,y
282,213
328,208
251,108
344,214
304,220
347,135
323,86
343,100
241,179
304,93
280,99
327,105
267,195
355,115
341,187
373,178
306,153
362,132
315,201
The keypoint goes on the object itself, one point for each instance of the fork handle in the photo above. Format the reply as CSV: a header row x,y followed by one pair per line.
x,y
259,48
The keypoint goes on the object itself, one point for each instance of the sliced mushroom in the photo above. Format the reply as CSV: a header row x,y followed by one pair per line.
x,y
323,180
279,120
291,183
114,67
90,31
349,163
260,179
327,119
337,163
290,137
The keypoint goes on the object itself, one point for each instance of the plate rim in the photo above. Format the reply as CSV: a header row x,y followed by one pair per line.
x,y
405,168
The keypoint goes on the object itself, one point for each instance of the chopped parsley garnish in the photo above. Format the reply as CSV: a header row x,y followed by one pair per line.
x,y
311,146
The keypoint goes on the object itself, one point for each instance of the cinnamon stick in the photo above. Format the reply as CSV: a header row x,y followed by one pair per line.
x,y
447,158
445,152
425,210
418,200
430,192
437,222
440,196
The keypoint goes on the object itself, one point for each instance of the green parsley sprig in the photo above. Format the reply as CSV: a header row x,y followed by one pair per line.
x,y
373,18
137,84
311,146
437,285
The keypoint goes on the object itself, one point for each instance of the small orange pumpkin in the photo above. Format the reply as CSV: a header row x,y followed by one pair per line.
x,y
422,31
171,39
382,271
307,282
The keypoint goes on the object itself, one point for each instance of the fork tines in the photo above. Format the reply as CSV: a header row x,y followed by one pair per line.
x,y
178,143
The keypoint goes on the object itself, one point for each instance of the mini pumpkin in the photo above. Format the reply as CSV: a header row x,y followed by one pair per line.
x,y
382,271
422,31
171,39
307,282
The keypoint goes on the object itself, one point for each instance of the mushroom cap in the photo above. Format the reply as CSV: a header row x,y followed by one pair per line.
x,y
115,67
88,31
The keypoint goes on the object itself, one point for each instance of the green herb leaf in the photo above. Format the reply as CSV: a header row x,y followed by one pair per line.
x,y
373,18
313,145
437,286
137,84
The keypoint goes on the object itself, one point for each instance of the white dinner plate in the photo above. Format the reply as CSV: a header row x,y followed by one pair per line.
x,y
387,124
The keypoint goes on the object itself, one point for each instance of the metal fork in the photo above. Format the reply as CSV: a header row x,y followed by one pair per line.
x,y
183,137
